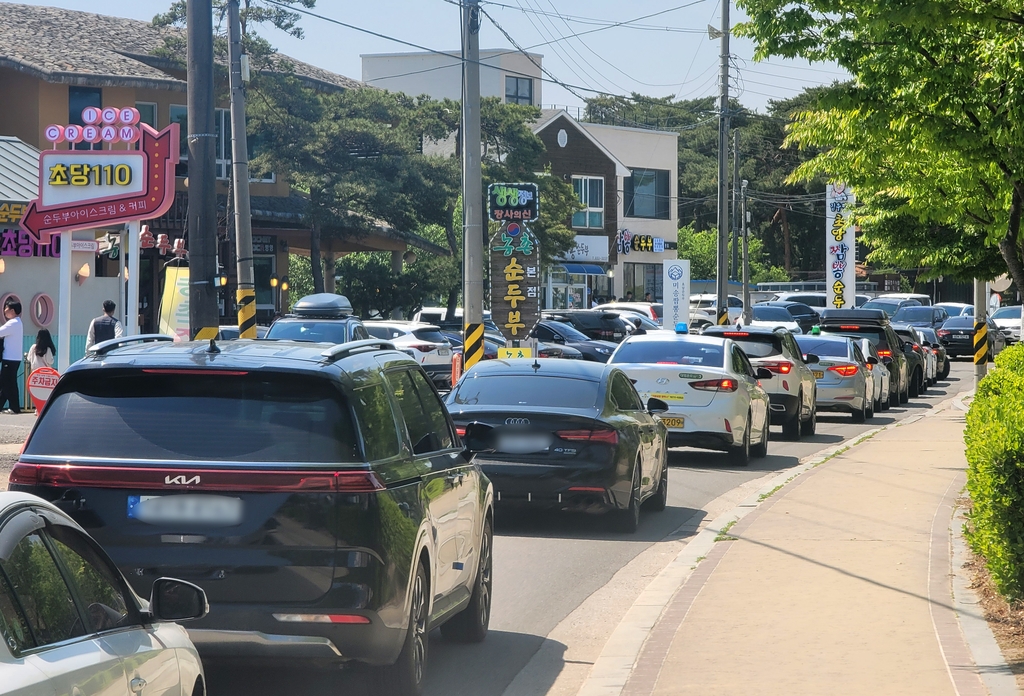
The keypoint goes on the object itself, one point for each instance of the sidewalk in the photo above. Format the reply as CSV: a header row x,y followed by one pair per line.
x,y
837,584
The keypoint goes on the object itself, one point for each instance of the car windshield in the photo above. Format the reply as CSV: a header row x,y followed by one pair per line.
x,y
771,314
823,347
311,330
907,314
527,390
177,415
890,308
678,352
961,322
1007,313
875,334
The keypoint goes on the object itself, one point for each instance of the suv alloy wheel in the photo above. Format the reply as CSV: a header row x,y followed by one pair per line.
x,y
405,677
470,624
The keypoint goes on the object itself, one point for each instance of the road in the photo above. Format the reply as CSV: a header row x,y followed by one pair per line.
x,y
546,566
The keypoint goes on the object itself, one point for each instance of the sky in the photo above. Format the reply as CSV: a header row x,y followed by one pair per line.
x,y
671,56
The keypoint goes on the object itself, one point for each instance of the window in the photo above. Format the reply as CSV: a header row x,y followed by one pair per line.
x,y
590,192
624,395
740,364
13,624
646,194
147,113
78,99
518,90
428,429
377,422
542,392
222,148
96,584
643,278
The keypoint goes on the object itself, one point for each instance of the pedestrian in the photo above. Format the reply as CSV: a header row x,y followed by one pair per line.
x,y
42,351
647,297
105,327
629,296
13,335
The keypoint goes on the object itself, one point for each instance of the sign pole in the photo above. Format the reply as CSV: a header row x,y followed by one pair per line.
x,y
64,304
122,292
748,311
131,309
472,189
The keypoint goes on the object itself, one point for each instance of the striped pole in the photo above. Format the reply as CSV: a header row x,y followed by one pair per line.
x,y
246,299
980,343
473,345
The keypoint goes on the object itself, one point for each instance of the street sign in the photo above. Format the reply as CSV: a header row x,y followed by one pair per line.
x,y
676,286
85,189
515,281
515,202
40,385
514,353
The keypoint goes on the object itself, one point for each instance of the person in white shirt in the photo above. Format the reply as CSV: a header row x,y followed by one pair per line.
x,y
42,352
13,335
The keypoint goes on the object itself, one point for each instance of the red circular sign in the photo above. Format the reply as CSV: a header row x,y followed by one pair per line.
x,y
40,385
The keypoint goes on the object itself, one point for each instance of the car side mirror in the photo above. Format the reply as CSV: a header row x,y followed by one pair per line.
x,y
656,406
887,360
763,373
908,347
177,600
872,360
478,438
811,359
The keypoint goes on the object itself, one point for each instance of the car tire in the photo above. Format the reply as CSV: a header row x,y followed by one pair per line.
x,y
739,455
945,370
659,501
791,427
861,415
470,624
894,397
869,410
810,426
760,450
914,390
628,520
405,677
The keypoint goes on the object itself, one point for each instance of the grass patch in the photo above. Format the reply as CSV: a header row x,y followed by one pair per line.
x,y
769,494
723,533
831,456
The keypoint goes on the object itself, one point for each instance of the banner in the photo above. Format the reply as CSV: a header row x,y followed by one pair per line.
x,y
515,281
676,284
174,304
840,248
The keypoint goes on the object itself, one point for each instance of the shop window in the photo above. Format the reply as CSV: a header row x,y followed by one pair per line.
x,y
147,113
590,191
646,194
643,278
78,99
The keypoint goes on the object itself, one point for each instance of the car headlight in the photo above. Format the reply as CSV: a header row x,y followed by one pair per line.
x,y
604,351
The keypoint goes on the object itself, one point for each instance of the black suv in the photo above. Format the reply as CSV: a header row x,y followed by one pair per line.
x,y
321,318
873,324
596,324
320,495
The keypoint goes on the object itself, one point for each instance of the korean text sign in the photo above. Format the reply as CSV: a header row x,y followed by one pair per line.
x,y
676,284
515,281
840,248
513,202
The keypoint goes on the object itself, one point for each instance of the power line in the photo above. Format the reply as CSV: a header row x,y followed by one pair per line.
x,y
597,22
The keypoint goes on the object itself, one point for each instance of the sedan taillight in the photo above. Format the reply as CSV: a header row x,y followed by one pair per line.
x,y
780,367
844,370
943,333
423,347
728,385
608,437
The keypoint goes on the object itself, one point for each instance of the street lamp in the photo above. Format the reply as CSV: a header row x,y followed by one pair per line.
x,y
284,284
274,283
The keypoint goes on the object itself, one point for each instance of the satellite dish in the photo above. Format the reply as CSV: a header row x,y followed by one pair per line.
x,y
1001,284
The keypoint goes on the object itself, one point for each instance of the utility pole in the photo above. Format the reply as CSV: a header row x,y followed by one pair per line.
x,y
980,331
735,193
245,295
472,188
203,314
748,311
723,174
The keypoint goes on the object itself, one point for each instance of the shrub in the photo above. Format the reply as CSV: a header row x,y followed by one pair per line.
x,y
995,475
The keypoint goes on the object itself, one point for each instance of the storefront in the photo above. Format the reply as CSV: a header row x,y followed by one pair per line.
x,y
582,277
640,268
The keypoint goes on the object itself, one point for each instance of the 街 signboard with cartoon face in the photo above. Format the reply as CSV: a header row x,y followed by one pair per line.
x,y
840,248
515,281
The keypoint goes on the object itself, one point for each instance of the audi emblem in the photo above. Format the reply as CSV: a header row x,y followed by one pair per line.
x,y
517,421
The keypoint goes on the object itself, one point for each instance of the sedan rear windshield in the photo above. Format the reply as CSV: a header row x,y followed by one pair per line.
x,y
254,417
771,314
527,390
679,352
914,314
875,334
315,331
819,347
760,346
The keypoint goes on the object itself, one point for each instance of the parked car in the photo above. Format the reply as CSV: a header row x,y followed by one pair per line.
x,y
320,318
652,310
957,337
932,337
932,317
598,325
843,379
711,389
873,324
805,317
72,625
917,361
568,436
818,301
321,497
1008,319
921,346
772,317
492,344
921,298
879,374
889,305
231,333
956,309
424,343
436,316
563,334
703,306
792,392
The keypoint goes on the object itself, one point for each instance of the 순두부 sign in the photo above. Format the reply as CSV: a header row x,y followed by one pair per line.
x,y
515,281
840,248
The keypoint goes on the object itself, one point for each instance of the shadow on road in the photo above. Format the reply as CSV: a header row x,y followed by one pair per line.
x,y
525,522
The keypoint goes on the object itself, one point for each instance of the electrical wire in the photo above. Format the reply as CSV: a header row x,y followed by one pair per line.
x,y
594,21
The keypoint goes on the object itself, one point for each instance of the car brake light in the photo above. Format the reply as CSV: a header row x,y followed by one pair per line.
x,y
461,431
850,328
654,314
728,385
217,373
422,347
943,333
845,370
884,353
322,618
737,334
917,347
779,367
608,437
586,489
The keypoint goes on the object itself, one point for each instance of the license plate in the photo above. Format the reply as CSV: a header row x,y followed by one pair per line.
x,y
672,422
523,443
445,352
188,508
818,374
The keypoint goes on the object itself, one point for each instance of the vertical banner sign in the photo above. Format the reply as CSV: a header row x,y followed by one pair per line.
x,y
515,281
174,304
840,247
676,283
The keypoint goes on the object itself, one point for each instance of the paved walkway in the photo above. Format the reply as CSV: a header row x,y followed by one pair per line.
x,y
838,584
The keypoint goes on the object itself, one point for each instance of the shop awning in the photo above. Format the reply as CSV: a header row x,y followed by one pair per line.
x,y
583,269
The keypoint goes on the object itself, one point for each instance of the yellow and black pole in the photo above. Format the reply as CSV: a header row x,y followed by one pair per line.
x,y
723,316
980,331
473,349
980,342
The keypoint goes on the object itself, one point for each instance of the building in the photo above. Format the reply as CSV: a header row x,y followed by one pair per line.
x,y
506,74
55,62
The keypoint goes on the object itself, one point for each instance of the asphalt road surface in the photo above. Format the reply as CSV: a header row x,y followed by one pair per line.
x,y
546,566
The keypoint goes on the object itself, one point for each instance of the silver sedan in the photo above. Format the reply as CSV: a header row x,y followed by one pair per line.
x,y
843,379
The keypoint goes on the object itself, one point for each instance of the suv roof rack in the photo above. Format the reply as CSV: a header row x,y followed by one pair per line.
x,y
339,351
114,343
867,316
323,304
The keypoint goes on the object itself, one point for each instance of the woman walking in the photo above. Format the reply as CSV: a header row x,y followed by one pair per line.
x,y
42,351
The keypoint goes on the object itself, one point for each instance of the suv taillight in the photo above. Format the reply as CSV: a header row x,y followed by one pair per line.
x,y
422,347
780,367
884,353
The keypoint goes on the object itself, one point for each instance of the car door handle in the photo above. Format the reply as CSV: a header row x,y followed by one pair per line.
x,y
137,685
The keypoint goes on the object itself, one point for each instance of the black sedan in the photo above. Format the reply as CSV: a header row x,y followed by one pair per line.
x,y
801,313
567,435
566,335
957,337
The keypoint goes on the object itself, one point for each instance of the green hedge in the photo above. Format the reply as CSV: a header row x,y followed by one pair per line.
x,y
995,475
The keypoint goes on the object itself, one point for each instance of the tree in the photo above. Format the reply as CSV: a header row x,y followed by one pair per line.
x,y
929,133
701,250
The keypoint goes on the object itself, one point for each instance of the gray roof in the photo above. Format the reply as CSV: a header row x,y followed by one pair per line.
x,y
19,170
82,48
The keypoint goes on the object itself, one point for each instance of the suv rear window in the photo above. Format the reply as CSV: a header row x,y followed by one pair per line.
x,y
254,417
309,330
823,348
759,346
432,335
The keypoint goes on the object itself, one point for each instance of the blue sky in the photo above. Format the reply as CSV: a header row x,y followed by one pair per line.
x,y
681,62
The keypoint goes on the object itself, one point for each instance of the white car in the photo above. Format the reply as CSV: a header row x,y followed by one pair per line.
x,y
652,310
792,392
72,625
923,299
703,306
1008,319
879,373
714,398
842,375
769,317
423,342
956,309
